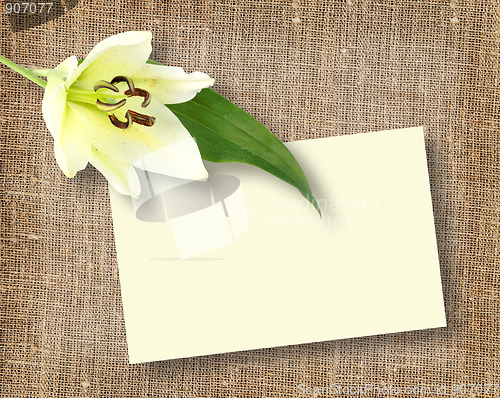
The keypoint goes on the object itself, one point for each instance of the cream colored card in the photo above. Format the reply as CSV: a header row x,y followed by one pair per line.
x,y
260,268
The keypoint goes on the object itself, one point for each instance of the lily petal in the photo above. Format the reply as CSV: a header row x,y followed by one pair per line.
x,y
181,160
125,52
170,84
146,147
67,142
179,155
122,176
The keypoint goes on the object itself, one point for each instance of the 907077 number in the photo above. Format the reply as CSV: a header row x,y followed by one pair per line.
x,y
27,8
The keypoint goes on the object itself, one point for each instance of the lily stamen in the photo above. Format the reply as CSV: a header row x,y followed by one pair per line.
x,y
120,79
139,92
132,116
141,119
107,107
104,84
118,123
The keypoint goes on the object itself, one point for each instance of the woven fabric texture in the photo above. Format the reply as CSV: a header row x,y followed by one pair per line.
x,y
305,69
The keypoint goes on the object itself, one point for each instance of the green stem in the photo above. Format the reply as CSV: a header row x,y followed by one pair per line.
x,y
23,71
40,72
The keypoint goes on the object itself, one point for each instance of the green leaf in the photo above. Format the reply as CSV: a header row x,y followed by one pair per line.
x,y
226,133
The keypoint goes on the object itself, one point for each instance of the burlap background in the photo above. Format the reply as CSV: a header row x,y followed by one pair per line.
x,y
305,69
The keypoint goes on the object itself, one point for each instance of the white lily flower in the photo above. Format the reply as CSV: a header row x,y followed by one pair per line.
x,y
109,111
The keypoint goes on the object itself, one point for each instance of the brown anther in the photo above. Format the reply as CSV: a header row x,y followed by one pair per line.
x,y
106,107
118,123
120,79
141,119
139,92
104,84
